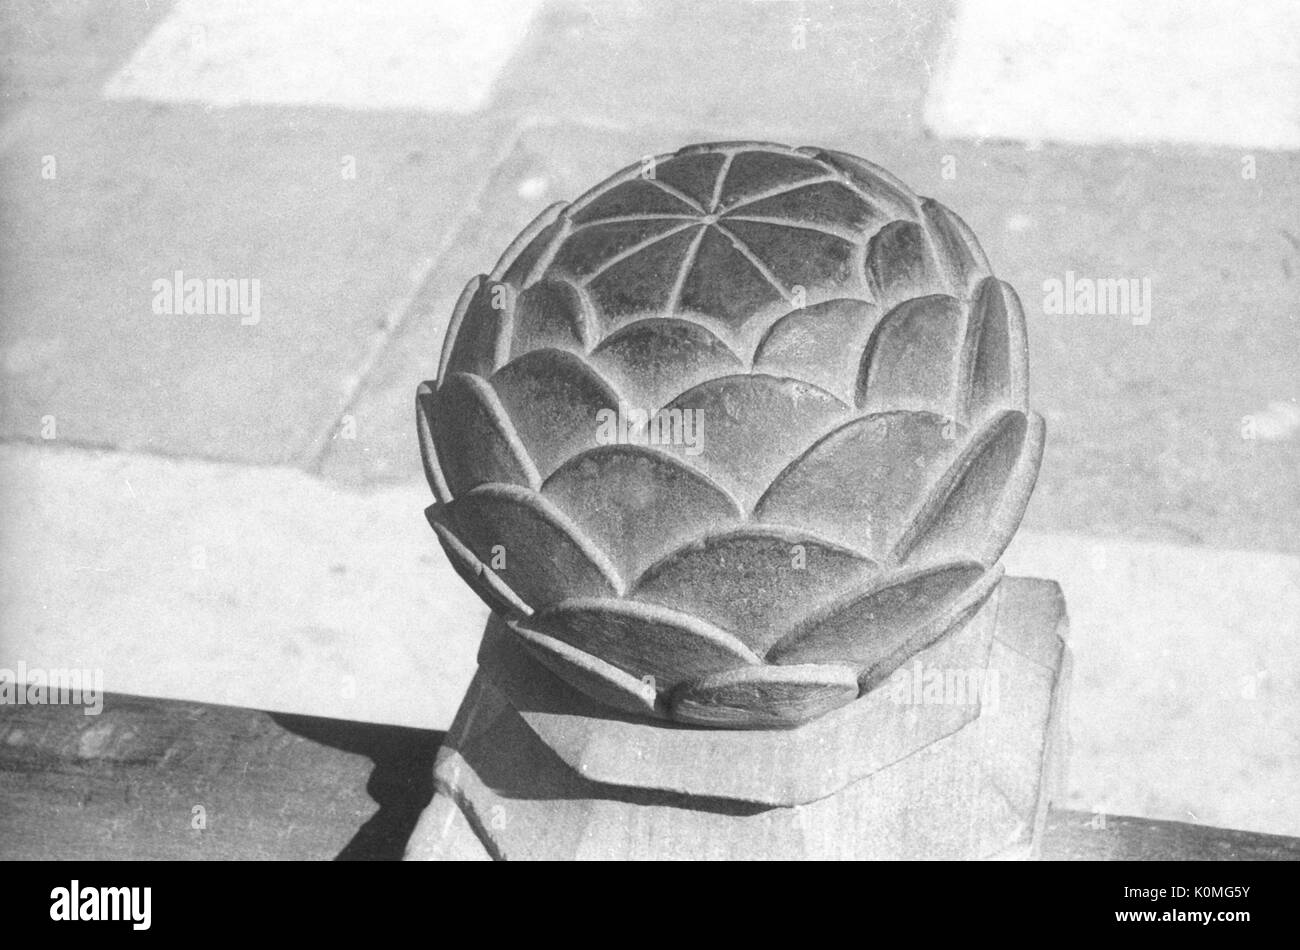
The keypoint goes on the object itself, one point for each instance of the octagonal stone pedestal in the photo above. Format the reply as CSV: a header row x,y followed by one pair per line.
x,y
954,757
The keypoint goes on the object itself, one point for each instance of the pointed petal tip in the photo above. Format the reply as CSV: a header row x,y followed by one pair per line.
x,y
472,437
546,556
894,612
995,356
646,641
425,396
975,508
516,253
765,697
590,675
493,591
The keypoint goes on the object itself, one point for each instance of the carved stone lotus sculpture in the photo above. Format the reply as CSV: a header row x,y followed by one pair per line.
x,y
839,443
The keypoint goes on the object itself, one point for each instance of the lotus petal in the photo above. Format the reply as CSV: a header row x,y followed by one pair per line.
x,y
482,580
555,400
694,175
751,426
759,172
478,337
975,508
911,361
589,251
425,400
995,360
476,439
725,283
591,676
860,485
882,187
529,249
830,206
913,608
642,281
638,504
960,252
797,257
765,697
901,265
636,198
755,583
552,314
644,640
467,295
534,547
962,611
651,361
820,343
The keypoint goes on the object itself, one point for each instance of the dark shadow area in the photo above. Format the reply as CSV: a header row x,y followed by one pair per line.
x,y
401,783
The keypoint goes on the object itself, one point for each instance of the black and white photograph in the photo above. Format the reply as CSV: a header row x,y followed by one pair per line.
x,y
648,431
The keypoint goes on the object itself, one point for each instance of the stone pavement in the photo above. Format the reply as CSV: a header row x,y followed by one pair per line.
x,y
276,449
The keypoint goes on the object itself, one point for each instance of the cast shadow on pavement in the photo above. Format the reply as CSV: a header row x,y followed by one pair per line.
x,y
401,782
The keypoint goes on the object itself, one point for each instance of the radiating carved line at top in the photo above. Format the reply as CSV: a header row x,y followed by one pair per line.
x,y
688,261
635,249
848,182
844,234
782,190
676,193
728,151
721,182
755,261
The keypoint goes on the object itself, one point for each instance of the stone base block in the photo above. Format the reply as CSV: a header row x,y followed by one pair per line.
x,y
954,757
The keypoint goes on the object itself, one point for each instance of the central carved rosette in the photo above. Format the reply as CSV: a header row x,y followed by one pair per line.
x,y
735,434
